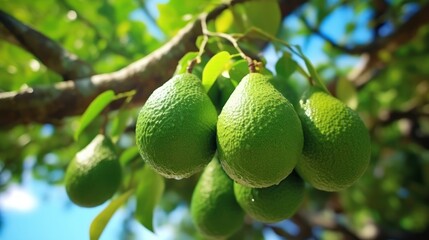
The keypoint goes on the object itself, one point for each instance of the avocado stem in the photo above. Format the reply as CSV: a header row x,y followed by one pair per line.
x,y
251,64
191,65
104,123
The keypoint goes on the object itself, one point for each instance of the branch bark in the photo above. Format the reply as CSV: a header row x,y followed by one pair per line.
x,y
49,52
50,104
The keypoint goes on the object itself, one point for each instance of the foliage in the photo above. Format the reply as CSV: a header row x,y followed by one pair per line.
x,y
393,194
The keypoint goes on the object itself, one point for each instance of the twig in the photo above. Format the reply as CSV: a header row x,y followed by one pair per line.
x,y
318,32
232,40
202,47
281,232
328,225
50,104
229,37
105,121
295,49
372,64
402,34
414,116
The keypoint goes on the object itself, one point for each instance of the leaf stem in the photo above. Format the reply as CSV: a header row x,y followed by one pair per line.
x,y
202,47
128,95
105,121
295,49
230,38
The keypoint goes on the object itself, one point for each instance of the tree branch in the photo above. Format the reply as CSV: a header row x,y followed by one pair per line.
x,y
282,233
50,53
378,18
414,116
372,63
8,37
331,225
50,104
403,34
305,229
343,48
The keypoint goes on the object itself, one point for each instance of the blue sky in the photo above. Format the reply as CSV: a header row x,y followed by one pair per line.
x,y
35,210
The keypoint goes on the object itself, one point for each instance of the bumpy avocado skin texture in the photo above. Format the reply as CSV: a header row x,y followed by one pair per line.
x,y
337,145
214,210
175,129
272,204
94,175
259,135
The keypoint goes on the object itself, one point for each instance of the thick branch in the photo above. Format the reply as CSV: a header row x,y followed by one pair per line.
x,y
50,53
53,103
5,35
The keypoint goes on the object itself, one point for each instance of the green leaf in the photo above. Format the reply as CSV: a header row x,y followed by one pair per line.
x,y
118,124
214,67
94,109
224,21
184,62
350,27
238,70
100,222
226,87
216,45
149,193
129,155
174,14
199,41
322,11
312,70
286,66
262,14
346,92
249,15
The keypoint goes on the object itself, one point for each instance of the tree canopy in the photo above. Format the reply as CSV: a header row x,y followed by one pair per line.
x,y
71,69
